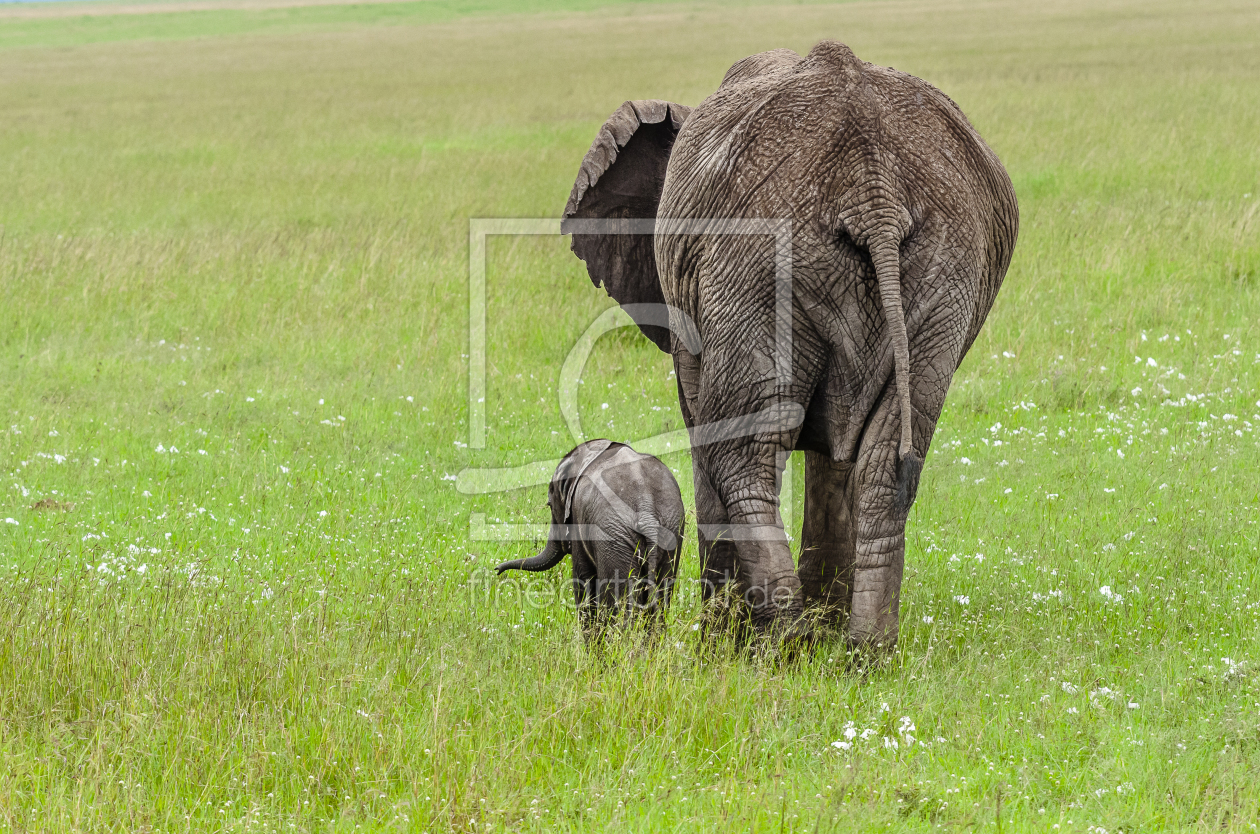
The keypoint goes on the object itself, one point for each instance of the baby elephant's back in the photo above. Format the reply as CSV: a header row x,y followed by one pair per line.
x,y
634,494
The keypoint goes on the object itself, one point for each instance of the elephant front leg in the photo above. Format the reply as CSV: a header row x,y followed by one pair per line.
x,y
586,595
718,553
828,539
719,557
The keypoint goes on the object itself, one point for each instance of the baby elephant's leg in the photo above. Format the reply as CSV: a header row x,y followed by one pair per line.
x,y
585,594
659,568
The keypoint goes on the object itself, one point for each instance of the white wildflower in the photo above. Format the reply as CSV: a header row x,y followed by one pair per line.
x,y
1096,695
905,728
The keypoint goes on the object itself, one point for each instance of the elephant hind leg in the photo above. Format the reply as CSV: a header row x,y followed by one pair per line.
x,y
828,539
767,578
651,586
879,533
882,494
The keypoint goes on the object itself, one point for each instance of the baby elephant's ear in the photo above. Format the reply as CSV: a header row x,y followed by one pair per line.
x,y
559,491
620,180
556,492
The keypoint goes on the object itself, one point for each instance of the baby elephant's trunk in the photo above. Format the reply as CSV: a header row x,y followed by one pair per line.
x,y
549,558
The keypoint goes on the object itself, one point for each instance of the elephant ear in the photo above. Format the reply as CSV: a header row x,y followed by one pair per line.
x,y
620,181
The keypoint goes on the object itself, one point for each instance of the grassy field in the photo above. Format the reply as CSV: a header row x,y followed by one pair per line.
x,y
240,591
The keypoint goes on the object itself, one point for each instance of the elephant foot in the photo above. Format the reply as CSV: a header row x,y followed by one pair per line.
x,y
871,643
828,614
725,621
775,607
733,620
826,623
786,641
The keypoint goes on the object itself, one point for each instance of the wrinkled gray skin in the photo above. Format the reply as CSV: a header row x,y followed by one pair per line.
x,y
624,529
903,225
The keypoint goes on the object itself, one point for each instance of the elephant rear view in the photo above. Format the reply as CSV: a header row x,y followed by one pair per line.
x,y
886,228
620,514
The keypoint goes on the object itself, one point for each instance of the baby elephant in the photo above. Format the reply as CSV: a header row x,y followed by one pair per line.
x,y
621,516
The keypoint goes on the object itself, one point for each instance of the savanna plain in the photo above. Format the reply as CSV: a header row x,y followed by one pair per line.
x,y
241,591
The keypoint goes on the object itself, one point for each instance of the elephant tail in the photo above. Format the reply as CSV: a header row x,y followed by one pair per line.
x,y
660,538
885,252
547,559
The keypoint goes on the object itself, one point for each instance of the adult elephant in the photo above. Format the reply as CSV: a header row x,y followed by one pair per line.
x,y
902,226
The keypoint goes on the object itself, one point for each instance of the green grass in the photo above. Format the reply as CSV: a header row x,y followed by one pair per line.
x,y
252,243
91,22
